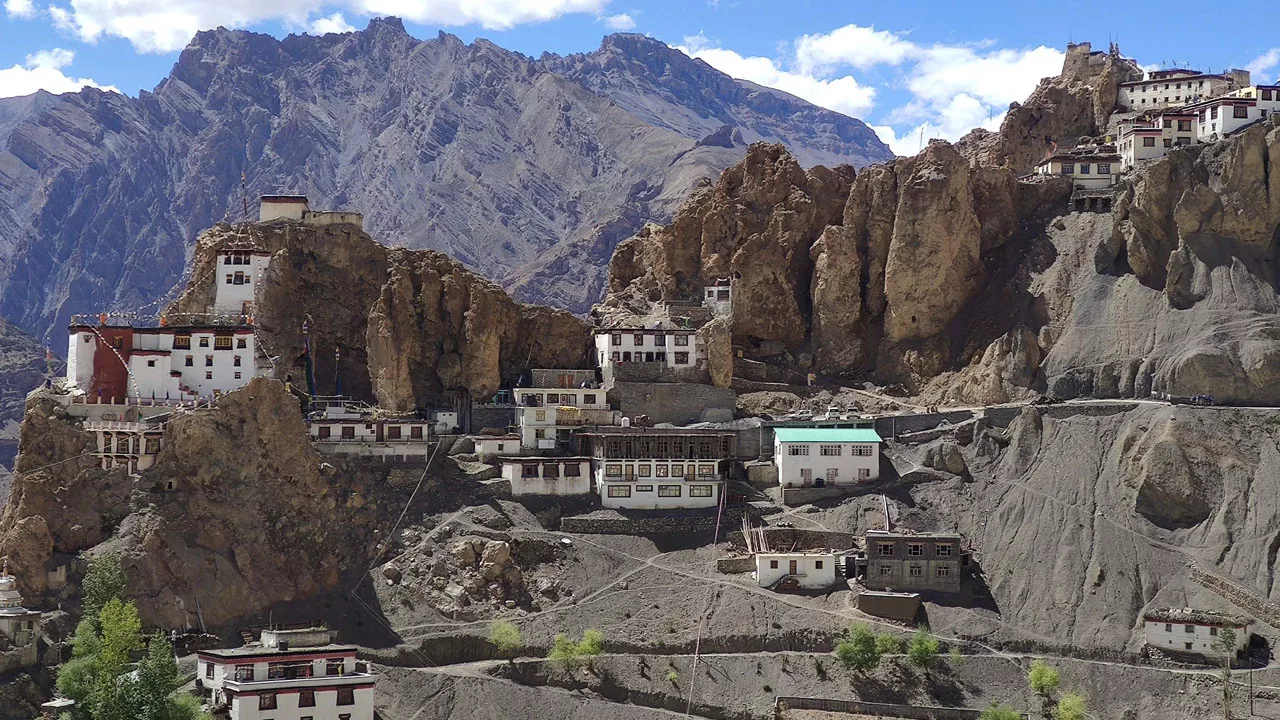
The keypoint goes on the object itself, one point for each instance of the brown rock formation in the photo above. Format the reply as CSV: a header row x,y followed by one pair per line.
x,y
414,327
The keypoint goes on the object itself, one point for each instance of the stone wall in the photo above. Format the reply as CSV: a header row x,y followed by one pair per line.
x,y
888,710
801,539
491,416
676,403
654,372
887,426
25,656
804,495
657,524
736,565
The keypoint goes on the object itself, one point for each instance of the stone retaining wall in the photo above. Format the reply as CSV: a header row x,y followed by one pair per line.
x,y
655,525
782,539
891,710
676,403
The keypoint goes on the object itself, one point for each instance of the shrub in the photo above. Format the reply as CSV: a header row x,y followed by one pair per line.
x,y
888,644
1043,678
858,649
1070,707
1000,712
505,637
922,649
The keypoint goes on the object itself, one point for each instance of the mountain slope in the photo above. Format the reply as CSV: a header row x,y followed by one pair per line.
x,y
503,161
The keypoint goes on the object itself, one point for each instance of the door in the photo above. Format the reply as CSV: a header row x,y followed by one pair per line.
x,y
791,569
806,476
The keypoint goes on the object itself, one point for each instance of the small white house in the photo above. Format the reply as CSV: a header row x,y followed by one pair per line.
x,y
547,475
813,571
282,207
822,457
1088,171
1186,630
492,447
444,422
718,298
677,349
547,417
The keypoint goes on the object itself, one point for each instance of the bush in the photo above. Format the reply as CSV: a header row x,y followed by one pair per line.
x,y
505,637
888,644
922,649
569,655
1070,707
1000,712
858,649
1043,678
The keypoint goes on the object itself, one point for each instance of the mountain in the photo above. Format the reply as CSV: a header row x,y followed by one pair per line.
x,y
529,171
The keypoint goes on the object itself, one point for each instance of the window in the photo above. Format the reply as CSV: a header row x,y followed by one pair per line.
x,y
244,673
619,491
886,570
830,450
669,491
615,339
677,470
817,564
1168,142
208,671
1213,631
615,356
539,434
682,340
267,701
1068,168
644,488
554,399
393,432
346,696
773,564
153,446
706,470
208,361
1184,124
241,343
208,375
1188,645
306,698
798,450
540,416
1190,628
700,491
885,549
1240,111
323,432
235,361
638,340
151,363
1148,142
334,666
861,450
1168,122
915,549
226,260
229,278
222,343
530,470
1266,94
942,550
833,474
613,471
572,469
348,432
181,342
660,340
1084,168
204,341
237,374
1213,112
916,571
589,399
1104,168
645,470
415,432
943,571
241,279
1168,627
682,358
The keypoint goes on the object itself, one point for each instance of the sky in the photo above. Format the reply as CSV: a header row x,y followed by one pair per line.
x,y
912,70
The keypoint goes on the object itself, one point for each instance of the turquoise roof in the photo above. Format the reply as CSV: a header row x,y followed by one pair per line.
x,y
832,435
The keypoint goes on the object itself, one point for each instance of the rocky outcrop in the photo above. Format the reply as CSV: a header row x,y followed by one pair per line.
x,y
22,368
529,171
412,328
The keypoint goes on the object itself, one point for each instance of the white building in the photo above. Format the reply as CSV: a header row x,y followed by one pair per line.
x,y
813,571
1192,631
19,625
718,298
676,349
659,468
353,433
115,363
492,447
1171,88
1146,139
282,207
288,675
236,280
444,422
1222,116
131,445
820,457
547,417
1088,171
547,475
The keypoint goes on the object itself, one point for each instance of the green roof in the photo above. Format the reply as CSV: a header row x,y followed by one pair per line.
x,y
861,435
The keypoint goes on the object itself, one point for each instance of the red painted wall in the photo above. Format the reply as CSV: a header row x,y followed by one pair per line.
x,y
110,375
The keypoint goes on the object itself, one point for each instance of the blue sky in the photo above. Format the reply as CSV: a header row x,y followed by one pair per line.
x,y
910,69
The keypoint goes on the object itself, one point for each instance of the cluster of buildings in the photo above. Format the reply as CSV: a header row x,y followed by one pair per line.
x,y
1163,110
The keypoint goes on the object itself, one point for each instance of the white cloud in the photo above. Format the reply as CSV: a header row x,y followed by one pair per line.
x,y
43,71
842,94
167,25
334,23
1264,67
953,88
20,8
620,22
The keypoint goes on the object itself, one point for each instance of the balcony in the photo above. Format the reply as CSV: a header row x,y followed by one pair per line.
x,y
318,681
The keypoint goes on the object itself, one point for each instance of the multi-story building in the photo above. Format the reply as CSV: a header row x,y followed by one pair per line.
x,y
289,674
1222,116
343,430
1087,170
821,457
659,468
677,349
903,561
547,416
297,208
547,475
237,277
1172,88
131,445
1140,139
1185,630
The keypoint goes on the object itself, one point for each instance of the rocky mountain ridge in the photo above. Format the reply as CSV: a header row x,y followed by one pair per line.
x,y
527,170
958,276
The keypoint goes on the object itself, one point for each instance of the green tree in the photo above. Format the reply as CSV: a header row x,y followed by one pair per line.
x,y
858,649
1071,706
505,636
888,644
1225,645
922,649
570,655
103,581
1043,678
1000,712
591,645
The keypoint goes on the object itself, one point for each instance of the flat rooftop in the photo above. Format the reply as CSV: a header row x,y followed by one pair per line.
x,y
633,430
262,651
830,435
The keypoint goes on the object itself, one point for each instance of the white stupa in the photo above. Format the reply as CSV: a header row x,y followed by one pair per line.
x,y
19,624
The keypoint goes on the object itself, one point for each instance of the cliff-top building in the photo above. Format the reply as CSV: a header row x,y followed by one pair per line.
x,y
1172,88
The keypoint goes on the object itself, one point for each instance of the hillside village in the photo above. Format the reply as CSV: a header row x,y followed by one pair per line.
x,y
648,436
